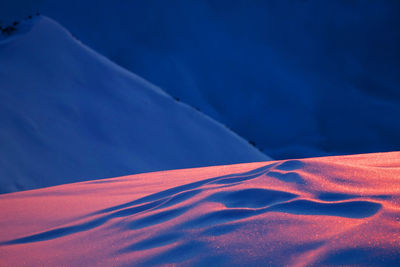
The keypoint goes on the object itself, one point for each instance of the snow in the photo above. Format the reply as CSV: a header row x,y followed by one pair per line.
x,y
299,78
69,114
308,212
295,78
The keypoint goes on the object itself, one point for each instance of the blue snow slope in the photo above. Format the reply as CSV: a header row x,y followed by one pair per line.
x,y
69,114
299,78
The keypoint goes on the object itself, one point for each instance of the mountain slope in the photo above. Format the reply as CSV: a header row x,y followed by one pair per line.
x,y
68,114
299,78
310,212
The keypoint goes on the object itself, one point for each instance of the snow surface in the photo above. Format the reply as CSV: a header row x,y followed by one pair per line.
x,y
68,114
310,212
299,78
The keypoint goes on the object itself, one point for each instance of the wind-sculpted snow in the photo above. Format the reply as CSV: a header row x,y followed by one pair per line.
x,y
338,211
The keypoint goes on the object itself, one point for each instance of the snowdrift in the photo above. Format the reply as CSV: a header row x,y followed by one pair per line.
x,y
320,211
69,114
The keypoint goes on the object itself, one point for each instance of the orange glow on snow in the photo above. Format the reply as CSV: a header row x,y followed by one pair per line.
x,y
318,211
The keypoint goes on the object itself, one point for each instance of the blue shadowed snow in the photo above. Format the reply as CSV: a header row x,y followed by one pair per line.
x,y
297,78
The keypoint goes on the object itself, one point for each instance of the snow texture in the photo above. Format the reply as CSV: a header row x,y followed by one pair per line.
x,y
333,211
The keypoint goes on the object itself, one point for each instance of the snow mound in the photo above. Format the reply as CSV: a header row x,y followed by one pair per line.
x,y
69,114
309,212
